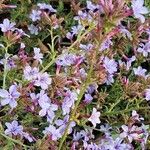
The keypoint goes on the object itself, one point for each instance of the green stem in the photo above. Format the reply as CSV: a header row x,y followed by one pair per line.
x,y
14,141
69,48
124,111
5,66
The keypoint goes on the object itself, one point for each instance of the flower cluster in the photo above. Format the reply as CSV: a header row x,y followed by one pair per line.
x,y
75,77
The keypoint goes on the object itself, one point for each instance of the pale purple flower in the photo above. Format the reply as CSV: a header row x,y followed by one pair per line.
x,y
44,6
9,97
66,59
144,49
125,32
87,47
128,63
35,15
33,29
27,136
37,55
43,80
88,98
47,108
7,25
140,71
139,10
30,73
110,65
81,15
77,29
68,101
63,123
95,117
147,94
136,117
13,128
51,130
131,133
91,6
69,35
106,44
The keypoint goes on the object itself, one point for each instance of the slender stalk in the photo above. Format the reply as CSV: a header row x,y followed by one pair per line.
x,y
14,141
69,48
5,66
83,89
124,111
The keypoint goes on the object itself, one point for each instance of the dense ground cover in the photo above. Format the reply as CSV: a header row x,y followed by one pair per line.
x,y
74,75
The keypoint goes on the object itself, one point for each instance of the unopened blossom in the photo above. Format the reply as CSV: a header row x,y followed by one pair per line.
x,y
140,71
139,10
95,117
110,65
33,29
37,55
7,26
35,15
144,49
30,73
44,6
147,94
51,130
43,80
9,97
13,128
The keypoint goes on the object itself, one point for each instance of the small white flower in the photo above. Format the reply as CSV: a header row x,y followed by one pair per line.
x,y
94,118
139,10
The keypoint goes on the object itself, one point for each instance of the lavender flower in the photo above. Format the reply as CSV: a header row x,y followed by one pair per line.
x,y
9,97
68,101
130,133
35,15
37,55
147,94
92,6
66,59
110,65
7,26
48,7
94,118
43,80
139,10
51,130
30,73
33,29
88,98
144,49
140,71
87,47
106,44
13,128
62,124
